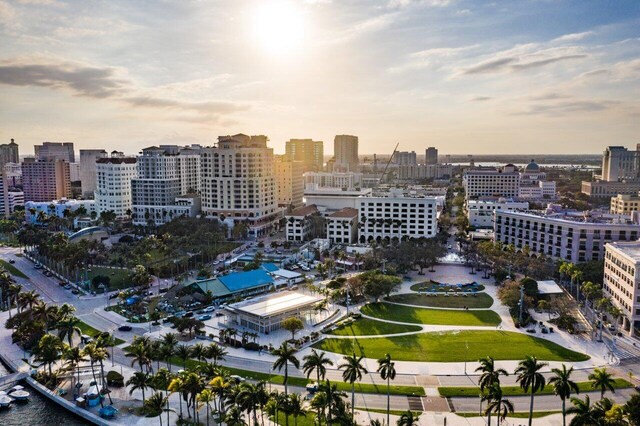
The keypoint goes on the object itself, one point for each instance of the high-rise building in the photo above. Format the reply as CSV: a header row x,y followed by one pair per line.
x,y
238,182
308,151
4,196
113,183
74,172
55,151
619,163
621,282
9,153
405,158
45,180
167,185
13,173
345,152
289,181
431,155
88,159
503,182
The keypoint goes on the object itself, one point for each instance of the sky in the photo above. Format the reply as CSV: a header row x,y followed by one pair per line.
x,y
469,77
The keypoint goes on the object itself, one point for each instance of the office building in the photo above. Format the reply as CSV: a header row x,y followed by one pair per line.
x,y
55,151
431,155
562,234
480,212
502,182
329,200
308,151
238,182
533,184
345,180
345,153
74,172
44,180
625,204
164,174
342,226
619,163
113,184
13,174
604,189
396,215
289,182
424,171
9,153
299,225
405,158
621,282
15,198
88,159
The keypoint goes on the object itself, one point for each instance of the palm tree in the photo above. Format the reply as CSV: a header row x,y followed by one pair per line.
x,y
249,399
295,406
563,386
316,361
285,354
141,381
197,351
530,378
603,380
206,397
353,371
154,406
490,374
387,371
74,356
161,381
177,385
234,417
184,353
68,328
48,351
216,353
140,353
583,412
408,419
497,403
94,353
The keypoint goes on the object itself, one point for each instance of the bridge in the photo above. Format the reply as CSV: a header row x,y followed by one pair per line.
x,y
12,378
92,232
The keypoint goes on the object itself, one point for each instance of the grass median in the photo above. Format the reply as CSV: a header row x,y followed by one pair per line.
x,y
470,391
453,346
12,269
408,314
93,332
480,301
371,327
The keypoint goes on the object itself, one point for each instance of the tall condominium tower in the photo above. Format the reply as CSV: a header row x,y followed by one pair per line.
x,y
431,155
113,183
238,182
308,151
45,180
345,151
55,151
88,159
620,163
9,153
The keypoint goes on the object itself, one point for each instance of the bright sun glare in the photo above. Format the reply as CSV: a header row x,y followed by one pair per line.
x,y
279,26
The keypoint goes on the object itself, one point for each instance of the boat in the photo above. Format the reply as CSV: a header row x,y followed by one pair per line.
x,y
19,395
16,388
5,401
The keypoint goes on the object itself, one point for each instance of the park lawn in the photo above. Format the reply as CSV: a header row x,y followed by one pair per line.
x,y
459,391
480,301
450,346
93,332
392,412
430,286
369,327
519,415
119,277
306,420
277,379
407,314
12,269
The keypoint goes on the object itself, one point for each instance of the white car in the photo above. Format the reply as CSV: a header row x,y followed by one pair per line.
x,y
209,309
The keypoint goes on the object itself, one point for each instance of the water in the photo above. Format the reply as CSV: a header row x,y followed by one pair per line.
x,y
38,411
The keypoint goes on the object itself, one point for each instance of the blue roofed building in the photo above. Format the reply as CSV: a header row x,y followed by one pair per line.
x,y
236,284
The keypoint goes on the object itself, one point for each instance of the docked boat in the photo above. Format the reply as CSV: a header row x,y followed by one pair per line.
x,y
19,395
5,401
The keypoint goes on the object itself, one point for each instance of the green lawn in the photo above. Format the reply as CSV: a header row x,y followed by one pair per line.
x,y
119,277
306,420
90,331
430,316
517,390
523,415
430,286
451,347
12,269
277,379
368,327
480,301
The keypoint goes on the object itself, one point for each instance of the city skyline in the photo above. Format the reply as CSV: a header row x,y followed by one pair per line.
x,y
549,77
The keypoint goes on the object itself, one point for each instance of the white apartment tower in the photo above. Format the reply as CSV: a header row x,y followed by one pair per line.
x,y
88,159
345,152
619,163
405,158
622,281
113,184
238,181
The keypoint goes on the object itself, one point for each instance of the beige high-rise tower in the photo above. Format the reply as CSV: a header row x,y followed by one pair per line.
x,y
345,152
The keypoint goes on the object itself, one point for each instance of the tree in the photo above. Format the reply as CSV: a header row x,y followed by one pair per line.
x,y
184,353
205,398
285,354
234,417
292,325
497,404
140,353
632,408
74,356
216,353
48,351
140,276
583,412
68,328
408,419
316,361
490,376
530,379
295,407
353,371
603,380
387,371
154,406
140,381
563,386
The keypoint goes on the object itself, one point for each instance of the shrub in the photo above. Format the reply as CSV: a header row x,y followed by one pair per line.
x,y
115,379
251,346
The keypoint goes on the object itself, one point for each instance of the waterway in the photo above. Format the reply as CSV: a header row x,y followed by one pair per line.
x,y
38,411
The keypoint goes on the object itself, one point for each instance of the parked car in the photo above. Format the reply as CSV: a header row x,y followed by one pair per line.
x,y
11,261
209,309
188,314
75,291
204,317
125,328
237,378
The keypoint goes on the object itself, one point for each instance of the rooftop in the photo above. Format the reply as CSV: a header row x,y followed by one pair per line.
x,y
239,281
346,212
304,211
630,248
549,287
116,160
275,304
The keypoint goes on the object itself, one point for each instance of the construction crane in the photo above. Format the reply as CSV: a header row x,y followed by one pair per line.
x,y
387,166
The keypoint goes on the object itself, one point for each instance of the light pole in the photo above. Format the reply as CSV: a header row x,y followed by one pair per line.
x,y
521,303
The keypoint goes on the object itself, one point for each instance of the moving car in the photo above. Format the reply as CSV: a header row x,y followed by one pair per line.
x,y
11,261
204,317
125,328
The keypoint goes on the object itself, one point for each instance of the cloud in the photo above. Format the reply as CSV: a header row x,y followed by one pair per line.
x,y
490,66
543,62
433,56
480,98
398,4
572,37
107,83
7,12
518,63
463,12
566,107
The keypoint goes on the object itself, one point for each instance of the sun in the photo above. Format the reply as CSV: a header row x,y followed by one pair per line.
x,y
279,27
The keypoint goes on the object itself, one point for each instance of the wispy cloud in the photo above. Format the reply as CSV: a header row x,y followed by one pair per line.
x,y
395,4
480,98
573,37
